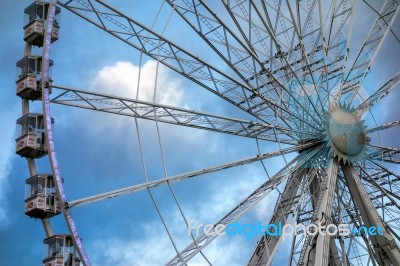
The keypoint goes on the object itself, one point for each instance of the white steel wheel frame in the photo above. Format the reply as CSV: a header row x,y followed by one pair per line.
x,y
181,257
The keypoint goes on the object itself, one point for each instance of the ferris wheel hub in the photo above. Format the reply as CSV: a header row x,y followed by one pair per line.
x,y
345,133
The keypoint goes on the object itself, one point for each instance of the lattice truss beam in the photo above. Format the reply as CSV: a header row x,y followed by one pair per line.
x,y
288,204
384,154
172,115
281,98
369,49
379,94
184,117
382,182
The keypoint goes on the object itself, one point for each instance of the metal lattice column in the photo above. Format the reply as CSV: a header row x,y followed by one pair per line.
x,y
317,252
385,248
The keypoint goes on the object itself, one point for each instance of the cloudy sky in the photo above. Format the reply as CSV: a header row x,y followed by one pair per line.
x,y
99,152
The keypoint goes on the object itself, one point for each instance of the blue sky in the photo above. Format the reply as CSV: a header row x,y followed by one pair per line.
x,y
99,152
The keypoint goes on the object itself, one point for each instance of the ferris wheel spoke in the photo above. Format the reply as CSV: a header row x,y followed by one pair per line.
x,y
377,12
173,115
186,64
385,154
383,192
306,57
223,41
231,49
369,50
309,34
194,248
384,176
279,66
379,94
381,169
180,177
342,15
383,127
241,59
300,52
322,79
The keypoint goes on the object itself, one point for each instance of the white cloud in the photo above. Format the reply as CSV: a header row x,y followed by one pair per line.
x,y
122,79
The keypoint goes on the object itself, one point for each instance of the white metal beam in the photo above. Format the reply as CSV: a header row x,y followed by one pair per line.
x,y
317,252
172,115
369,49
385,248
379,94
157,182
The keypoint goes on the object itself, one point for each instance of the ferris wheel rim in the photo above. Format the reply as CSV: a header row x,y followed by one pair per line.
x,y
45,87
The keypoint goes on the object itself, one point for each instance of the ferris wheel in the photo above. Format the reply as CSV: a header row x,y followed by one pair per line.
x,y
291,68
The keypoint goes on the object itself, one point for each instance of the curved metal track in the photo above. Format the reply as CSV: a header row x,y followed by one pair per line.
x,y
50,139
